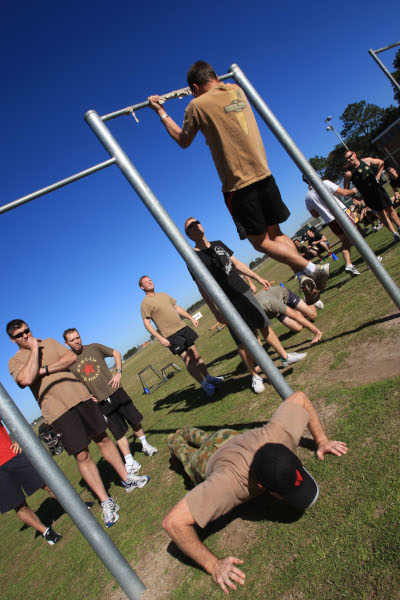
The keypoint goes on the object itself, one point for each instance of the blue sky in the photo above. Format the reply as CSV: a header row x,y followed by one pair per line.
x,y
73,258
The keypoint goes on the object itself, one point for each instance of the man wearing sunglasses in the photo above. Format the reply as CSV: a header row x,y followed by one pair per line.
x,y
223,114
226,269
363,177
67,405
234,468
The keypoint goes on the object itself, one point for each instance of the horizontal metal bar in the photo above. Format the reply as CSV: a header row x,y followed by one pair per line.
x,y
386,48
69,499
56,186
169,96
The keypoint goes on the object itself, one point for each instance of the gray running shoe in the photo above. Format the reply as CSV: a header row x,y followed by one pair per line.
x,y
135,481
109,515
149,450
293,357
319,304
134,468
352,270
115,505
322,276
311,294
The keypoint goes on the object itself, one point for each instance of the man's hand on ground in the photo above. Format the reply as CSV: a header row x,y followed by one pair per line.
x,y
331,447
115,382
165,342
225,573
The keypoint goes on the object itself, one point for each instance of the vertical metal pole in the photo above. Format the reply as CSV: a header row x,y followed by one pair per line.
x,y
382,66
188,254
298,157
68,498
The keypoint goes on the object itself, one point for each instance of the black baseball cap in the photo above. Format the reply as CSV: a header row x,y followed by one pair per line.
x,y
279,470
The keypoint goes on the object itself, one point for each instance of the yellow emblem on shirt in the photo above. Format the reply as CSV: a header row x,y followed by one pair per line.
x,y
237,106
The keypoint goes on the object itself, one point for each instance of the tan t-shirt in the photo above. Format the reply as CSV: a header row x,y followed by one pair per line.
x,y
224,117
160,309
55,393
273,301
93,371
229,481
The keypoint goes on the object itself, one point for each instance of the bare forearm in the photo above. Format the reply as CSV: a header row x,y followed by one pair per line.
x,y
153,331
62,364
186,538
182,312
314,424
117,358
296,316
30,371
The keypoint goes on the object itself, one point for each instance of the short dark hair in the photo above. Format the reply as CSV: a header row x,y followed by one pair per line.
x,y
187,221
200,72
67,331
140,280
13,325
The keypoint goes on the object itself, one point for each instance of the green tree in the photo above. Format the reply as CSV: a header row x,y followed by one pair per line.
x,y
396,75
361,119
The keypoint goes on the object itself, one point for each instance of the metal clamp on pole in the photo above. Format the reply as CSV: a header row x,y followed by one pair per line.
x,y
188,254
68,498
300,160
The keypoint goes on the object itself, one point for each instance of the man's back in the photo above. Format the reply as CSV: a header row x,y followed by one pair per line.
x,y
224,116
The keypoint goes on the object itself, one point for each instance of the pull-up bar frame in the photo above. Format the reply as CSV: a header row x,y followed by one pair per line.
x,y
380,64
14,419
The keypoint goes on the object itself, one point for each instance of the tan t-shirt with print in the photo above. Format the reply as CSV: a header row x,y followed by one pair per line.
x,y
224,116
55,393
160,309
229,480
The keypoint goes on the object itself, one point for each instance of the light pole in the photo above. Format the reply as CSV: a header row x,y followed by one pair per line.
x,y
331,128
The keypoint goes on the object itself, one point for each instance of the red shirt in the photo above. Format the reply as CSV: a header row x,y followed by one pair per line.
x,y
6,453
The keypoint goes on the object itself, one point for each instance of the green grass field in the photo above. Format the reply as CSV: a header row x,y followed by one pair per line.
x,y
346,547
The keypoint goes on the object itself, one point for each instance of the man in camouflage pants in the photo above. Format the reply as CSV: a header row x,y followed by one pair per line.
x,y
193,447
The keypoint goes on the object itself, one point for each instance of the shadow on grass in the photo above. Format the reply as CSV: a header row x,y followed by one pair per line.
x,y
218,359
48,512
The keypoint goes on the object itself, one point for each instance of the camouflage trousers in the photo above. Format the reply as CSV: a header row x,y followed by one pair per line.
x,y
193,447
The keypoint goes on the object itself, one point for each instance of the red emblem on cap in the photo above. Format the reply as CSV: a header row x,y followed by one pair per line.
x,y
299,479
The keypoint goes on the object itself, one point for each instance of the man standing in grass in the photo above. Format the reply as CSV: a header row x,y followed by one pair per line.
x,y
17,474
226,269
172,332
234,468
68,406
223,114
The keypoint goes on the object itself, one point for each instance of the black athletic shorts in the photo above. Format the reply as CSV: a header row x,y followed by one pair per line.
x,y
16,474
378,200
256,206
182,340
251,312
292,302
118,411
80,425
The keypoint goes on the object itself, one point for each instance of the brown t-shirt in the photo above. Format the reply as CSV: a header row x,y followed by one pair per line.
x,y
92,370
224,117
273,301
55,393
229,481
160,309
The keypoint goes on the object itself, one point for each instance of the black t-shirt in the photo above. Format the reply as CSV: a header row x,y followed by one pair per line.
x,y
317,237
217,259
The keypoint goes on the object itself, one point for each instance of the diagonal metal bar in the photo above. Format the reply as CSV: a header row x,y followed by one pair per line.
x,y
56,186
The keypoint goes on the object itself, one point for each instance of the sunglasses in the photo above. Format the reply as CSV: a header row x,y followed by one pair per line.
x,y
192,224
20,335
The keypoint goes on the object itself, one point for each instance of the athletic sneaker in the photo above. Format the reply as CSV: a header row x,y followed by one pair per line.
x,y
352,270
322,276
293,357
257,384
109,514
51,536
135,481
311,294
214,380
396,237
90,504
319,304
133,468
148,449
208,388
115,505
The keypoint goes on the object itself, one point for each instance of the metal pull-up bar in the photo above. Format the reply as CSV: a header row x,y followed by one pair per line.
x,y
380,64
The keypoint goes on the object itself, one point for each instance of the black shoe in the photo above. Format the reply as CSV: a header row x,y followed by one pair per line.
x,y
90,504
51,536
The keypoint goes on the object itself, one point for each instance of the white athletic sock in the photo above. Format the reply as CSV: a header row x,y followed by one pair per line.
x,y
47,530
142,440
310,269
128,459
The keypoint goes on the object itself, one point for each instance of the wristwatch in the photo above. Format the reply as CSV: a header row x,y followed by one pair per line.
x,y
119,370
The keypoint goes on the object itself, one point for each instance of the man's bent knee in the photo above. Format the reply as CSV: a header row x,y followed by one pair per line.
x,y
83,456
